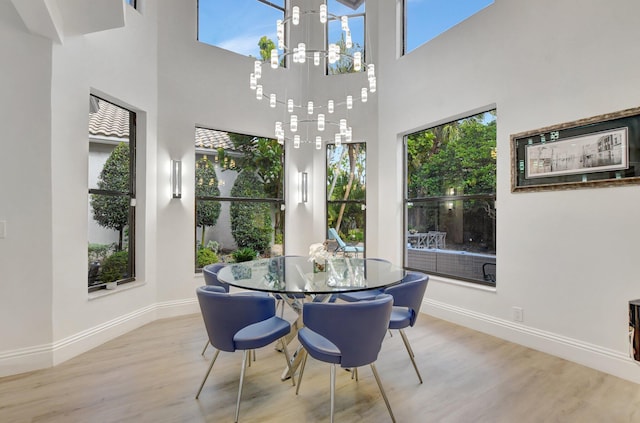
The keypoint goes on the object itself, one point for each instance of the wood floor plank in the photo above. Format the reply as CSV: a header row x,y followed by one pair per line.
x,y
152,374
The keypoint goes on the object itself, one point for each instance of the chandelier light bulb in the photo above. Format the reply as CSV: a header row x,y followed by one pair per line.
x,y
318,143
257,69
344,21
310,107
363,96
357,61
290,106
274,58
349,102
323,13
278,128
338,140
348,136
371,71
320,122
296,141
330,106
372,84
259,92
316,58
296,58
348,41
294,123
343,126
253,82
272,100
302,52
295,18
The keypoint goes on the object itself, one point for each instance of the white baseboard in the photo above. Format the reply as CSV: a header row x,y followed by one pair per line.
x,y
47,355
605,360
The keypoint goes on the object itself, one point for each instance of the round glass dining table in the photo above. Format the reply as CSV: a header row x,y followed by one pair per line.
x,y
292,279
295,275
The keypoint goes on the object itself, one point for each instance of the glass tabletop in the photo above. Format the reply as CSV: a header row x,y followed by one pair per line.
x,y
294,275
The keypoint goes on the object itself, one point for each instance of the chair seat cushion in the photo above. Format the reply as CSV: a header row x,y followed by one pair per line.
x,y
352,297
400,318
260,334
319,347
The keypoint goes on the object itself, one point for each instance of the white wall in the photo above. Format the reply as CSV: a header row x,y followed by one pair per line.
x,y
566,258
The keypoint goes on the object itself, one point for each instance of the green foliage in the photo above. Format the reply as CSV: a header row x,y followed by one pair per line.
x,y
99,252
207,212
204,257
266,45
113,211
244,254
114,267
345,63
278,238
460,155
250,221
263,156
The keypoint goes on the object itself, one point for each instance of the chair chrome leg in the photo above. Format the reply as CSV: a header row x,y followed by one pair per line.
x,y
213,360
286,356
205,347
411,355
384,395
254,354
302,364
333,389
244,367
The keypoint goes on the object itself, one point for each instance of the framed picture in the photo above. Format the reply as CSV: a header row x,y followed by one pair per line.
x,y
599,151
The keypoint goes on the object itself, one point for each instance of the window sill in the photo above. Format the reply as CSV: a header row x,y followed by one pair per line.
x,y
106,292
470,285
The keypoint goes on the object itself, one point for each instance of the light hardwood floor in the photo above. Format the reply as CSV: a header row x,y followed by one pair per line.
x,y
152,375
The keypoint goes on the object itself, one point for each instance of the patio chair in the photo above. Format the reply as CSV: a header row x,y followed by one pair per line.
x,y
342,246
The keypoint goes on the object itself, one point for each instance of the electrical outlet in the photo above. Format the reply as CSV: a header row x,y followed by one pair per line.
x,y
518,314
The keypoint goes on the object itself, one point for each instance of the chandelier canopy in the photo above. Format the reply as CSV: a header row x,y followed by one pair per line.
x,y
326,119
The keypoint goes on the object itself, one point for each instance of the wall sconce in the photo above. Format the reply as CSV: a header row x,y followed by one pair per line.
x,y
176,178
304,187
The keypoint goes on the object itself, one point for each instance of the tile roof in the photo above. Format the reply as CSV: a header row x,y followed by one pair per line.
x,y
109,120
212,139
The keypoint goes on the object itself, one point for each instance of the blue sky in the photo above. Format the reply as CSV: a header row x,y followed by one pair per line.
x,y
237,25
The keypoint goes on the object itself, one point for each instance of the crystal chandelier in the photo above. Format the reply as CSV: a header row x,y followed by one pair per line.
x,y
327,120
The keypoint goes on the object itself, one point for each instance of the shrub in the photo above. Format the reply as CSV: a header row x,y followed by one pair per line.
x,y
205,257
250,222
114,267
99,252
244,254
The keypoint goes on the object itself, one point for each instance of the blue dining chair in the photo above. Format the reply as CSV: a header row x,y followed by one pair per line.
x,y
348,334
210,273
407,299
240,322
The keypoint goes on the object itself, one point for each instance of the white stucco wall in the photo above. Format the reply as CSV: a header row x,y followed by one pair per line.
x,y
539,63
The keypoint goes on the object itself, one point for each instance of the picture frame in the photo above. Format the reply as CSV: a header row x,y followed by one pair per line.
x,y
598,151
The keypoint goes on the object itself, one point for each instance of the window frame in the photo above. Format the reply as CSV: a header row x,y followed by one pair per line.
x,y
364,36
131,194
278,203
362,202
448,198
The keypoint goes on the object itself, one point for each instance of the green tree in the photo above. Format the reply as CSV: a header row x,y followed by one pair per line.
x,y
207,211
266,45
345,63
250,221
108,210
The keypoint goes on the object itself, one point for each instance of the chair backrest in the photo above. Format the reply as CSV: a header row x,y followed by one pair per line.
x,y
357,329
210,273
225,314
333,234
409,293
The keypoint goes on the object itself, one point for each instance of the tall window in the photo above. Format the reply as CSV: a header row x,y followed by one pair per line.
x,y
112,162
451,199
239,197
240,25
425,20
346,192
335,35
